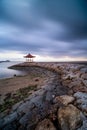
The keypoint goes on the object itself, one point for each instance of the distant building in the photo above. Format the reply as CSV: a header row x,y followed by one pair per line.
x,y
29,57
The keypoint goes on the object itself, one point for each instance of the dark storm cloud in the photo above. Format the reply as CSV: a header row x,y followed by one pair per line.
x,y
53,27
71,13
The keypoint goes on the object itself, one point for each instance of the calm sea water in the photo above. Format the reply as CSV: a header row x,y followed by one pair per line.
x,y
7,73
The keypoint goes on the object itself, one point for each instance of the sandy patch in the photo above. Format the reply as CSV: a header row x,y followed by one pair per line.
x,y
15,83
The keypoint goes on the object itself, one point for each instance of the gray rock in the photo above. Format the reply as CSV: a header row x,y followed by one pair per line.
x,y
49,96
84,70
8,119
84,126
80,95
15,107
84,82
81,100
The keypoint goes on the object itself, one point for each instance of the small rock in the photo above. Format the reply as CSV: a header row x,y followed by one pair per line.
x,y
46,124
69,118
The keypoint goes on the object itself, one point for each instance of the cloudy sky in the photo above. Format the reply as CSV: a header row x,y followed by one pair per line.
x,y
50,29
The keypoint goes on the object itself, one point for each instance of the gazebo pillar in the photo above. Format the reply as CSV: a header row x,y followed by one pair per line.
x,y
29,58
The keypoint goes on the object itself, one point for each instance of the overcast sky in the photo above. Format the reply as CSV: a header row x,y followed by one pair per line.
x,y
47,28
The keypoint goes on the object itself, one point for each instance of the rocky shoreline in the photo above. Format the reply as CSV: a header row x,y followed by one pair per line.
x,y
59,104
5,61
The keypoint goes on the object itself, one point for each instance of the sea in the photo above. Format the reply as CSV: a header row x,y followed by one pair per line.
x,y
5,72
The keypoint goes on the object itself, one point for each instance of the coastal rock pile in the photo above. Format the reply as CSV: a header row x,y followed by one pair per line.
x,y
61,104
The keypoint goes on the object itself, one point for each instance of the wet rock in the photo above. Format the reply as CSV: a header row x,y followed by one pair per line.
x,y
65,99
69,118
81,101
46,124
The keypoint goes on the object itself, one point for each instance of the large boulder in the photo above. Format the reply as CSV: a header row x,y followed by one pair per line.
x,y
46,124
69,117
64,99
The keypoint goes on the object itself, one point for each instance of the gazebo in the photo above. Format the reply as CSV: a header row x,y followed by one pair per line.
x,y
29,57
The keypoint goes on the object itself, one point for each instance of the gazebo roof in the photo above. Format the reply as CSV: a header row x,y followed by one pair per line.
x,y
29,56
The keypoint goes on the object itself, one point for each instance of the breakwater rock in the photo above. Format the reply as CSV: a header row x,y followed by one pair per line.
x,y
60,104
